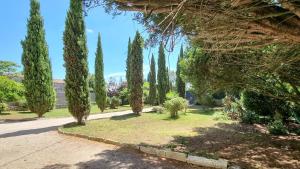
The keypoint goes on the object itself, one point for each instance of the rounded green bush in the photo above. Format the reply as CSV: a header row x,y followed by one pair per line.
x,y
158,109
174,105
277,128
256,103
114,103
249,117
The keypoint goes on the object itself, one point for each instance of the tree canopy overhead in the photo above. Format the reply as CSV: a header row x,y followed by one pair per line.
x,y
222,25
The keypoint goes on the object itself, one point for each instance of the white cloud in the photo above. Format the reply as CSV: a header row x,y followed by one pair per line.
x,y
89,30
115,75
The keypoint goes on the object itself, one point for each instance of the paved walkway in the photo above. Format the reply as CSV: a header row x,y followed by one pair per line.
x,y
36,144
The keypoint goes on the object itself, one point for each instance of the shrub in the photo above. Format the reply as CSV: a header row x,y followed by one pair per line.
x,y
249,117
221,116
206,100
114,102
176,104
277,128
107,102
256,103
158,109
233,108
124,95
219,95
171,95
3,107
21,105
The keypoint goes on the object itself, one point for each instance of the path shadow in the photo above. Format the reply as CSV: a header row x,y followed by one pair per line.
x,y
26,112
4,114
124,117
57,166
17,120
131,159
243,145
30,131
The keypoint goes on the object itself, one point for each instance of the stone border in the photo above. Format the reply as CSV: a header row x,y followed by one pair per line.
x,y
183,157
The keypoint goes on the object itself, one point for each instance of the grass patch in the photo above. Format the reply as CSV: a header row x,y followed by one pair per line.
x,y
56,113
199,132
150,128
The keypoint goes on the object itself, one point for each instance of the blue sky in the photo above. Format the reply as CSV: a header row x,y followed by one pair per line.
x,y
115,32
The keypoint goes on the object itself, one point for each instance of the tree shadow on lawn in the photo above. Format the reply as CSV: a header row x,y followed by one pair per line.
x,y
26,112
131,159
203,112
243,145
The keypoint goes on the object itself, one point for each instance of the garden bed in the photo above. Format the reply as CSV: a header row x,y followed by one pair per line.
x,y
198,133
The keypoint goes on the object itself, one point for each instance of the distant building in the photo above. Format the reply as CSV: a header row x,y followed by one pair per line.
x,y
61,101
59,86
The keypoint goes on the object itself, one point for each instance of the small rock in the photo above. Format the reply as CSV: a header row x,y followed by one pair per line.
x,y
235,167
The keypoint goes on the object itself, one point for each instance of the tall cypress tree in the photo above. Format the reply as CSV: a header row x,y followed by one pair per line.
x,y
128,61
169,86
40,94
100,89
152,80
162,79
75,56
180,85
136,74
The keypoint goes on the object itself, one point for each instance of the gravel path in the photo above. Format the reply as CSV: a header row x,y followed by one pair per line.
x,y
36,144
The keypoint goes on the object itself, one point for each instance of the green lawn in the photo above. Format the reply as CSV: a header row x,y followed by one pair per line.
x,y
150,128
198,132
56,113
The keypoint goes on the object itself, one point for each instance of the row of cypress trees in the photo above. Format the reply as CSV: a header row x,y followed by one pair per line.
x,y
163,86
40,94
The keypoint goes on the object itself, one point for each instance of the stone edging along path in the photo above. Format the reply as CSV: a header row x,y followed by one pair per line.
x,y
183,157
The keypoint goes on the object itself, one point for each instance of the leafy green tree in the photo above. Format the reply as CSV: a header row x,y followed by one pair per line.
x,y
114,102
75,56
162,75
180,85
100,89
128,61
10,90
7,67
152,81
136,74
40,94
